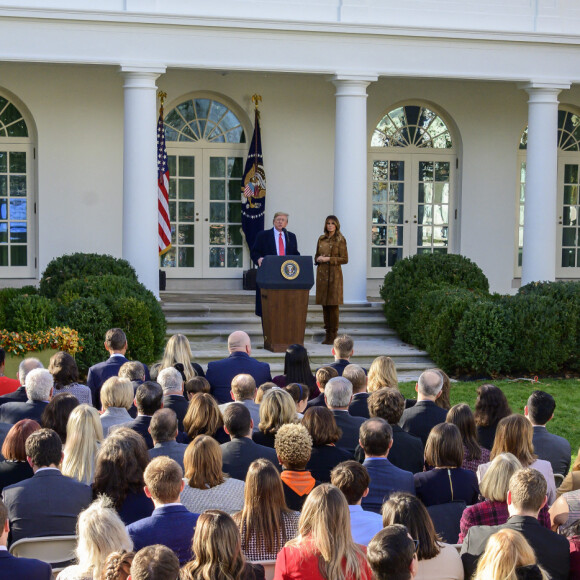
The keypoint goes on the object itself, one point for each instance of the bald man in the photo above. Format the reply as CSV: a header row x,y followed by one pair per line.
x,y
221,373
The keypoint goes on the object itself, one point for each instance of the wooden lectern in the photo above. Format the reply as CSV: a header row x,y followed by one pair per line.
x,y
284,282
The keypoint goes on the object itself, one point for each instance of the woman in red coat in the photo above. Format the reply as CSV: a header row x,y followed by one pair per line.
x,y
324,548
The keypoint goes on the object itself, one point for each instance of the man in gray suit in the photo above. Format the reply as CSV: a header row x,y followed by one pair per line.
x,y
244,391
553,448
163,430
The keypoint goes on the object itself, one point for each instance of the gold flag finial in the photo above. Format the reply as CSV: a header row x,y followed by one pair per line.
x,y
161,95
256,99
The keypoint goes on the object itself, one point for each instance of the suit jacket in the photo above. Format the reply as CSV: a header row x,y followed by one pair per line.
x,y
552,448
317,401
238,453
350,427
324,459
253,407
102,371
18,396
4,428
170,525
179,405
220,373
552,550
421,418
407,451
47,504
14,412
385,479
358,406
12,567
171,449
339,365
141,425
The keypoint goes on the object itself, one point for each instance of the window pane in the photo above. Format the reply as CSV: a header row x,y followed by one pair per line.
x,y
425,193
17,209
217,212
235,213
168,259
379,236
186,166
568,256
172,211
568,236
18,256
217,167
378,257
217,189
186,259
171,163
3,162
217,257
186,234
3,185
235,258
234,236
18,232
380,192
4,256
425,171
570,173
235,166
395,215
172,188
380,170
186,211
397,192
397,172
395,254
571,194
217,235
186,189
18,185
3,209
17,162
3,233
441,193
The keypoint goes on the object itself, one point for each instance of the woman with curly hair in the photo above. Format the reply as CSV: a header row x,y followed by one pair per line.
x,y
491,406
204,417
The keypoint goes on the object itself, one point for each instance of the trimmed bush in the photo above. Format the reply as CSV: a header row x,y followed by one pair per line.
x,y
30,313
132,315
6,295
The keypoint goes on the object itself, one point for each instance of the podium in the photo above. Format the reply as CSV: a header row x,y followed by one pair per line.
x,y
284,283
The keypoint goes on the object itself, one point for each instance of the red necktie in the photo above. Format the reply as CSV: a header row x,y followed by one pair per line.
x,y
281,251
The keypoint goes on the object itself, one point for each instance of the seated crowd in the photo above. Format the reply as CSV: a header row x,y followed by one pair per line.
x,y
167,473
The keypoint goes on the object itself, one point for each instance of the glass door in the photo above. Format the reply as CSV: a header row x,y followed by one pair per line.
x,y
568,249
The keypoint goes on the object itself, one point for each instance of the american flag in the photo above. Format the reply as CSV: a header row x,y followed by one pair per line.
x,y
163,188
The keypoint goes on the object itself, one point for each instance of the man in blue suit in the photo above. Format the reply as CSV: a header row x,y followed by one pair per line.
x,y
220,373
276,241
170,524
376,439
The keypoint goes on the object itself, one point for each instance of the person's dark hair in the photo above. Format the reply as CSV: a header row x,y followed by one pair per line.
x,y
388,404
132,370
491,405
56,413
462,416
297,391
375,436
119,466
541,407
149,397
408,510
14,446
163,426
203,416
572,530
390,554
321,424
2,356
297,366
444,447
196,385
237,419
115,339
44,447
155,562
352,479
63,369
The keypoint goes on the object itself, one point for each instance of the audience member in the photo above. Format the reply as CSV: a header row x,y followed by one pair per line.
x,y
56,413
473,454
323,375
324,548
297,369
573,535
117,397
121,461
178,352
443,399
353,480
553,448
276,409
356,375
19,395
299,394
491,406
7,385
514,435
196,385
163,429
293,447
134,371
172,384
204,418
12,567
320,424
382,374
565,511
392,554
117,566
65,373
572,480
84,435
15,468
244,391
170,524
342,350
436,560
265,522
220,373
217,549
425,414
241,451
338,395
48,503
526,495
376,440
39,384
447,481
156,562
207,486
100,531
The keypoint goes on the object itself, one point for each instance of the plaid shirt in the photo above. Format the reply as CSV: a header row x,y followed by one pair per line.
x,y
472,464
492,513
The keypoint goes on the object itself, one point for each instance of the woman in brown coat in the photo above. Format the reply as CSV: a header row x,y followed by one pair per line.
x,y
331,253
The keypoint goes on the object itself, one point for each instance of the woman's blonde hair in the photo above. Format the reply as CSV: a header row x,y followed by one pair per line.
x,y
203,416
324,529
276,409
505,551
117,392
382,373
515,435
495,482
203,463
100,531
178,350
84,433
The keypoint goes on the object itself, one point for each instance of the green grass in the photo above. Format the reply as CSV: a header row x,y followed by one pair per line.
x,y
565,391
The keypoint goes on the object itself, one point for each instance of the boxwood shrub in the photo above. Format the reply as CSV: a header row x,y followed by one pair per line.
x,y
30,313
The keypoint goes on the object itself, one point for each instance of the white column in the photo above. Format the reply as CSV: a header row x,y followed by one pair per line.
x,y
350,179
140,245
540,208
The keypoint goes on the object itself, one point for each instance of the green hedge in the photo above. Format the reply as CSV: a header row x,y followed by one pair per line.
x,y
6,296
30,313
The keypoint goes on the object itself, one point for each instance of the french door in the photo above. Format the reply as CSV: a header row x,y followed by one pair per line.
x,y
568,247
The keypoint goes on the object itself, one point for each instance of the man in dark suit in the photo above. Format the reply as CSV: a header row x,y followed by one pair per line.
x,y
238,454
170,524
358,406
425,414
171,382
273,242
338,395
19,395
221,373
376,440
342,350
12,567
48,503
39,383
163,430
526,497
553,448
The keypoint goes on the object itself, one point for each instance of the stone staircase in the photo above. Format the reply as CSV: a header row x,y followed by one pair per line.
x,y
208,317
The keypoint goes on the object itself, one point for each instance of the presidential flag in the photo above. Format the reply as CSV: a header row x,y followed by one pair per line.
x,y
163,187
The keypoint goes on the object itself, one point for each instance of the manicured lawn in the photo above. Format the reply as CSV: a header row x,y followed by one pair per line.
x,y
566,392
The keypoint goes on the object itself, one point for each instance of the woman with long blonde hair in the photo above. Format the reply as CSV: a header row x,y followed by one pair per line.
x,y
382,373
178,352
505,552
276,409
324,548
84,434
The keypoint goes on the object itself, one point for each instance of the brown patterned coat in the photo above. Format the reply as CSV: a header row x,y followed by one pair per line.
x,y
329,274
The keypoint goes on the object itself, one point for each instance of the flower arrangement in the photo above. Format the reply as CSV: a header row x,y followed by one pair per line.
x,y
60,338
